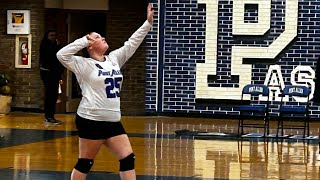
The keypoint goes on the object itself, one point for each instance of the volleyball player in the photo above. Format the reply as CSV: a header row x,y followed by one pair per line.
x,y
98,115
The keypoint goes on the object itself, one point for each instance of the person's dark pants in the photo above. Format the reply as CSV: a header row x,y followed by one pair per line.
x,y
51,84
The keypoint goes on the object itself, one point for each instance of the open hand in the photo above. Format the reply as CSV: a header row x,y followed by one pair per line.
x,y
150,13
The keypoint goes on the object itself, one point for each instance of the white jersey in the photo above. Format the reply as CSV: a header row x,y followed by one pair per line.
x,y
100,82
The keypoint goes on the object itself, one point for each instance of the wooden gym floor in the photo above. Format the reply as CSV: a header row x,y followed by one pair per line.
x,y
32,150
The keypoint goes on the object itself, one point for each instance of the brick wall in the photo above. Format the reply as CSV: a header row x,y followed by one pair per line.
x,y
185,48
123,19
27,84
205,75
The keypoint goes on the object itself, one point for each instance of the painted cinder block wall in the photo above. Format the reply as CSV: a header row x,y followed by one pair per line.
x,y
200,53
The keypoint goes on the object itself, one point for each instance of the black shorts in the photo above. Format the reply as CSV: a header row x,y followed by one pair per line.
x,y
89,129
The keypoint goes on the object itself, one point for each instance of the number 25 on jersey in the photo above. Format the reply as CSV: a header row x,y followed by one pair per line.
x,y
113,87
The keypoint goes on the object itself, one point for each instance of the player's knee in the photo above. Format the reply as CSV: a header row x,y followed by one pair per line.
x,y
84,165
127,163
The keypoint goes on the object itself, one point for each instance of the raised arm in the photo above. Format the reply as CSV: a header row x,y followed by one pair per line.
x,y
67,57
125,52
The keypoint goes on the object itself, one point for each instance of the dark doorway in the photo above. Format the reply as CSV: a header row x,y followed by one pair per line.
x,y
80,24
56,19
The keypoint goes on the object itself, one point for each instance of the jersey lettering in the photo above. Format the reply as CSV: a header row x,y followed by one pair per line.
x,y
113,83
113,86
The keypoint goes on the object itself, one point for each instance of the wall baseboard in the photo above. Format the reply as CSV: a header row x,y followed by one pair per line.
x,y
22,109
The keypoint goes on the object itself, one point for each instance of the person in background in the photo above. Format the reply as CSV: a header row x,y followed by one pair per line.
x,y
51,71
98,115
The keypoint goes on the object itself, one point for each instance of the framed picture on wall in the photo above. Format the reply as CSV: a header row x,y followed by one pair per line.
x,y
18,21
23,51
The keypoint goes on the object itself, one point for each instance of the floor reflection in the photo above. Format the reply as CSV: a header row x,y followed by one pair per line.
x,y
230,158
38,152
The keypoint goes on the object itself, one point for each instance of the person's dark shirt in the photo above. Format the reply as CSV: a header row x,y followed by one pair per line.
x,y
48,57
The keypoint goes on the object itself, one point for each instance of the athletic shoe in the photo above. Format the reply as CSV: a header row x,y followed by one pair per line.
x,y
52,121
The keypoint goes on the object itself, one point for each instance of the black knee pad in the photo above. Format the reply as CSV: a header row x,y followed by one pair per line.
x,y
84,165
127,163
